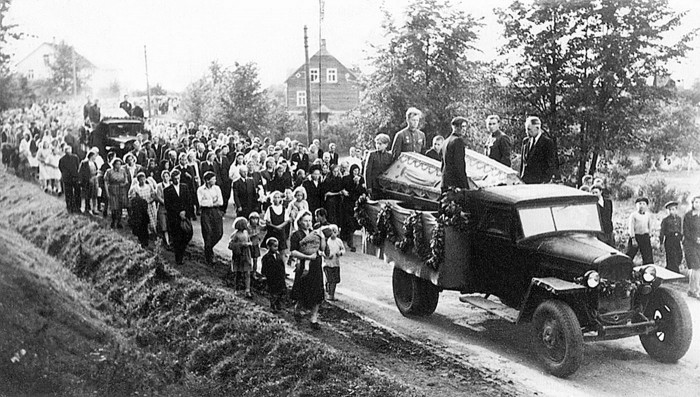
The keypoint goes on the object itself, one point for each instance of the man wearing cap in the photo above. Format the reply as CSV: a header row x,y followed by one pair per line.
x,y
409,139
178,207
639,227
670,236
377,162
210,202
454,167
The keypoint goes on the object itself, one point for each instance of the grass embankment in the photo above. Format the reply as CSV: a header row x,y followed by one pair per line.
x,y
209,341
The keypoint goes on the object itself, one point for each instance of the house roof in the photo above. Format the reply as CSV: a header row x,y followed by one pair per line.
x,y
53,46
314,60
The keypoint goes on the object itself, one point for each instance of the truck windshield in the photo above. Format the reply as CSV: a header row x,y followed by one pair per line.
x,y
125,129
540,220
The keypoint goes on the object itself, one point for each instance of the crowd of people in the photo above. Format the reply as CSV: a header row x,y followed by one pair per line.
x,y
296,201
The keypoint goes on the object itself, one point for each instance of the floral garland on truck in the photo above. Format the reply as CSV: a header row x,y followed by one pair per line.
x,y
451,214
414,237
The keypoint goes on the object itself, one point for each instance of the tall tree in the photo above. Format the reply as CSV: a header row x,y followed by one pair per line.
x,y
240,101
586,68
67,69
13,88
425,64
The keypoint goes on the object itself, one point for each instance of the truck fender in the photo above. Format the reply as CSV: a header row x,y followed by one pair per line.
x,y
543,288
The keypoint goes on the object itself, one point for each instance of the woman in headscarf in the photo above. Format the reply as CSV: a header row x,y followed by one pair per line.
x,y
306,247
147,191
353,188
117,183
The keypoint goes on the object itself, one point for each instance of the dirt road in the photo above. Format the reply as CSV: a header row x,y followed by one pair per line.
x,y
485,342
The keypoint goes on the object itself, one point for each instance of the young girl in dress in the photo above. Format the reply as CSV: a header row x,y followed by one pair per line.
x,y
240,245
276,222
334,250
256,234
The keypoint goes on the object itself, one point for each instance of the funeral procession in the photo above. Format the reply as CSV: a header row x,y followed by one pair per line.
x,y
350,198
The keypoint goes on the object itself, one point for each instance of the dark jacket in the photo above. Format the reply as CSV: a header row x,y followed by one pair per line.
x,y
68,165
454,172
501,148
314,195
538,163
377,162
175,203
434,154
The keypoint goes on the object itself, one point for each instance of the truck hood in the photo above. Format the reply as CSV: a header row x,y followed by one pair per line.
x,y
583,248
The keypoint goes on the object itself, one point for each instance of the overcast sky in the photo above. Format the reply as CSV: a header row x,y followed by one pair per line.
x,y
183,37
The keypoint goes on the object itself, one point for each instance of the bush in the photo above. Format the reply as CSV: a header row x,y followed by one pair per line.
x,y
659,194
616,176
625,192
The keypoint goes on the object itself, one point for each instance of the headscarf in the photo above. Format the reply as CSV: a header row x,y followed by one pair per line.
x,y
300,215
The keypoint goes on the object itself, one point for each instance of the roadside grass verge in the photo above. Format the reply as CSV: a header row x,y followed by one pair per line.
x,y
216,343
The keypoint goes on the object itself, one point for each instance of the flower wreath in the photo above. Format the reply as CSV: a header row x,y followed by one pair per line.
x,y
414,237
451,214
362,216
384,228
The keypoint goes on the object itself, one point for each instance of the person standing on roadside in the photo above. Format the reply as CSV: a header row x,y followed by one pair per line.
x,y
605,211
670,237
178,209
501,144
454,167
691,245
409,139
639,228
539,154
210,202
377,162
69,165
307,289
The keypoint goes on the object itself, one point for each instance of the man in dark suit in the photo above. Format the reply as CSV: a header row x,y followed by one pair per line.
x,y
68,165
539,155
501,147
333,153
223,179
178,199
454,167
245,193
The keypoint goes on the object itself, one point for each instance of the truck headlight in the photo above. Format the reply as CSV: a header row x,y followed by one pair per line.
x,y
592,278
649,274
121,146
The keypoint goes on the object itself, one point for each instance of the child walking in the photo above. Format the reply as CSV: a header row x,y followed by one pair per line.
x,y
671,234
274,272
334,250
255,233
240,245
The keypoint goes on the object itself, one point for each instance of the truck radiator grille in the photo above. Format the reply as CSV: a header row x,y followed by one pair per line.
x,y
615,293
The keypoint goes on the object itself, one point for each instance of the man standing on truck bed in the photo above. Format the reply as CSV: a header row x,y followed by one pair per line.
x,y
409,139
454,167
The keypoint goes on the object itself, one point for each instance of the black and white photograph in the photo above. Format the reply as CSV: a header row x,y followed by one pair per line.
x,y
366,198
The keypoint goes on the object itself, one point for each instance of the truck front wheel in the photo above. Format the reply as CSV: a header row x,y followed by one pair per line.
x,y
671,340
413,295
557,338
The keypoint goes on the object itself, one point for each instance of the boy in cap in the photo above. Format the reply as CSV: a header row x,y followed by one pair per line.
x,y
670,236
639,227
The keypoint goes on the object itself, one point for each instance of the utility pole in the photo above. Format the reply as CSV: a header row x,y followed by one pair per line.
x,y
310,134
148,87
321,47
75,72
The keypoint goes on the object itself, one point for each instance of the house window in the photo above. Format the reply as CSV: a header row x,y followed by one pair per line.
x,y
314,75
331,75
30,74
301,98
47,61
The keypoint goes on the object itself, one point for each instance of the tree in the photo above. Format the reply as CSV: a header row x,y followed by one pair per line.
x,y
67,69
196,99
13,88
585,68
425,64
239,101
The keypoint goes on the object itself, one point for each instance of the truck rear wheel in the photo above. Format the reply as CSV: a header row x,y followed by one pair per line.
x,y
413,295
557,338
671,339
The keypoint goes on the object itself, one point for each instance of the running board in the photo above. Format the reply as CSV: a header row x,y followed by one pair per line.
x,y
490,306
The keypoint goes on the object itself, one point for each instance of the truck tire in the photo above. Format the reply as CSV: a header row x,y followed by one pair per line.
x,y
413,295
557,338
672,339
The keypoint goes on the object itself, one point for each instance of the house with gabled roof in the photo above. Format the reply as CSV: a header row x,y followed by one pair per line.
x,y
37,64
340,91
